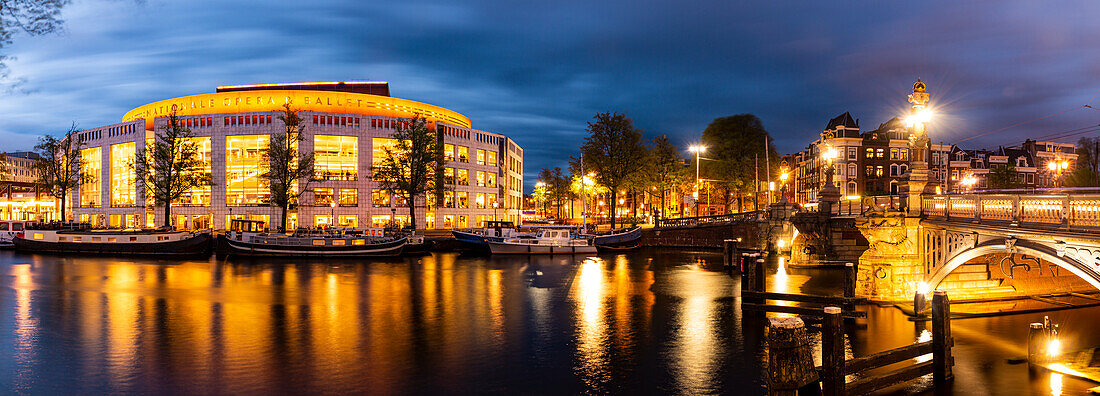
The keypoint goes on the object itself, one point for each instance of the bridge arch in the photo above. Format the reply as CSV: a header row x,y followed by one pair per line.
x,y
1087,272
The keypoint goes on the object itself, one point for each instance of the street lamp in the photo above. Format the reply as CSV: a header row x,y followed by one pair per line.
x,y
697,149
969,181
333,213
783,175
1059,166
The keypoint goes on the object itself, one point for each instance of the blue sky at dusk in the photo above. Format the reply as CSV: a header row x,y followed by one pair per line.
x,y
537,71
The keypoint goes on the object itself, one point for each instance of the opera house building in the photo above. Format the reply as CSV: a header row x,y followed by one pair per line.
x,y
347,126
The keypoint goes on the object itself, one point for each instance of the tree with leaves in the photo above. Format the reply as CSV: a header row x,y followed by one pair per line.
x,y
665,169
171,167
413,166
290,172
737,144
1003,176
613,150
59,166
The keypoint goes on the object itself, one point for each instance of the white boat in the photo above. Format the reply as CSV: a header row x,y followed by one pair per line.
x,y
546,241
9,230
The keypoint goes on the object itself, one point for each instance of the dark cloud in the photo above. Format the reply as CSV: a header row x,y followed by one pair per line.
x,y
537,71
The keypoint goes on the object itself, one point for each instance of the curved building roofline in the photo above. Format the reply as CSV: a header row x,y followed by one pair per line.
x,y
303,100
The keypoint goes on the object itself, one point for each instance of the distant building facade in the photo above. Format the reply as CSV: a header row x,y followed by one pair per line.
x,y
21,197
348,127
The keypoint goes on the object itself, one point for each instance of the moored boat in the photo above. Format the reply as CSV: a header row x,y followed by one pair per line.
x,y
479,238
546,241
246,237
118,242
619,240
9,230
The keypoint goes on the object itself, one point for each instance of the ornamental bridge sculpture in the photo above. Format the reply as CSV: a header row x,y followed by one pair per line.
x,y
911,252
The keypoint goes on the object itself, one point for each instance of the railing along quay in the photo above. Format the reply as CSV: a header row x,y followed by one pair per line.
x,y
1066,211
724,218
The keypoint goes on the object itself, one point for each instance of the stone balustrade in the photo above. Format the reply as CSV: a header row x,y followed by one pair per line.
x,y
1074,211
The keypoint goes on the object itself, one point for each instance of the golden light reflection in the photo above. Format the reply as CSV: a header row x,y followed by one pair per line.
x,y
26,326
1055,384
592,350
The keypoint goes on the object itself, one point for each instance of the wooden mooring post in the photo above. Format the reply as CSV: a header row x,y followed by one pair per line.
x,y
730,257
849,280
790,357
835,367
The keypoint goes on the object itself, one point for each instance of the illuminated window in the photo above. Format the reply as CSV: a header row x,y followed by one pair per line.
x,y
449,175
90,189
122,174
198,196
870,171
870,153
491,158
878,153
480,221
244,165
480,178
480,157
349,197
348,220
322,221
448,199
463,199
322,196
336,157
490,179
480,200
448,222
904,155
463,154
378,150
380,198
461,221
385,220
894,154
429,219
878,170
462,177
449,152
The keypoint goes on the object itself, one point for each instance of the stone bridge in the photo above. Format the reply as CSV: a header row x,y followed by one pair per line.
x,y
982,245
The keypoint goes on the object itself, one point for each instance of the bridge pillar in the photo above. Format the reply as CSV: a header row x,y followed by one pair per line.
x,y
892,267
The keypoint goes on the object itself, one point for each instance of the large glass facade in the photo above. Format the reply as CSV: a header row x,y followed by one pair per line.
x,y
198,196
491,158
336,157
90,189
122,175
244,164
378,149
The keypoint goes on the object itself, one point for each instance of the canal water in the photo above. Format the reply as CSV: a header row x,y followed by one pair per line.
x,y
652,321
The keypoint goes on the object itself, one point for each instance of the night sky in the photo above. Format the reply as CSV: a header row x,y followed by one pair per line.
x,y
537,71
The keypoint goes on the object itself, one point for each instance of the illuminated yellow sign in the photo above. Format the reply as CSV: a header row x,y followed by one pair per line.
x,y
273,100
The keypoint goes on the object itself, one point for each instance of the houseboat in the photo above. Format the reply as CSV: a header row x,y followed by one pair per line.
x,y
9,230
479,238
248,238
546,241
117,242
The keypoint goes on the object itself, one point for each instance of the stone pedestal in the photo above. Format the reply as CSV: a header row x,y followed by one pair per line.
x,y
780,229
828,197
891,268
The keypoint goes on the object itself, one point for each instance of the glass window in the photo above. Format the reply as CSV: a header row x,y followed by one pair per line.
x,y
322,220
878,170
491,158
380,198
904,155
490,179
448,199
480,179
463,154
851,153
378,149
480,200
122,174
870,153
870,171
461,221
449,152
463,200
480,157
449,175
462,177
491,200
198,196
448,221
349,197
878,153
480,221
90,188
244,164
348,220
336,157
429,219
322,196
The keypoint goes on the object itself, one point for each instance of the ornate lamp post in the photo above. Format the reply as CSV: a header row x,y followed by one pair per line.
x,y
783,175
830,194
1059,166
919,117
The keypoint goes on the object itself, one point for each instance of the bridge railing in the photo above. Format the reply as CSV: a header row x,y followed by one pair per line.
x,y
1060,210
723,218
861,205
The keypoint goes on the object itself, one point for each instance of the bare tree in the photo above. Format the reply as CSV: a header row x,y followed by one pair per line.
x,y
665,168
613,149
288,167
414,165
172,167
59,166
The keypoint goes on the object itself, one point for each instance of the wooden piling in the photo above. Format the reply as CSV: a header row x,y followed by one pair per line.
x,y
849,280
790,356
941,339
730,257
832,353
758,275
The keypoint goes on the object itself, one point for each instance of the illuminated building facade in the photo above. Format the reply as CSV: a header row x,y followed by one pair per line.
x,y
21,197
347,126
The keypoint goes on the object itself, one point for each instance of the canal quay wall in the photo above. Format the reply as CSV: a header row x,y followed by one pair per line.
x,y
826,240
752,235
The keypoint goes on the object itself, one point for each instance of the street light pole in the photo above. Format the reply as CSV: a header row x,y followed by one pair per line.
x,y
697,149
